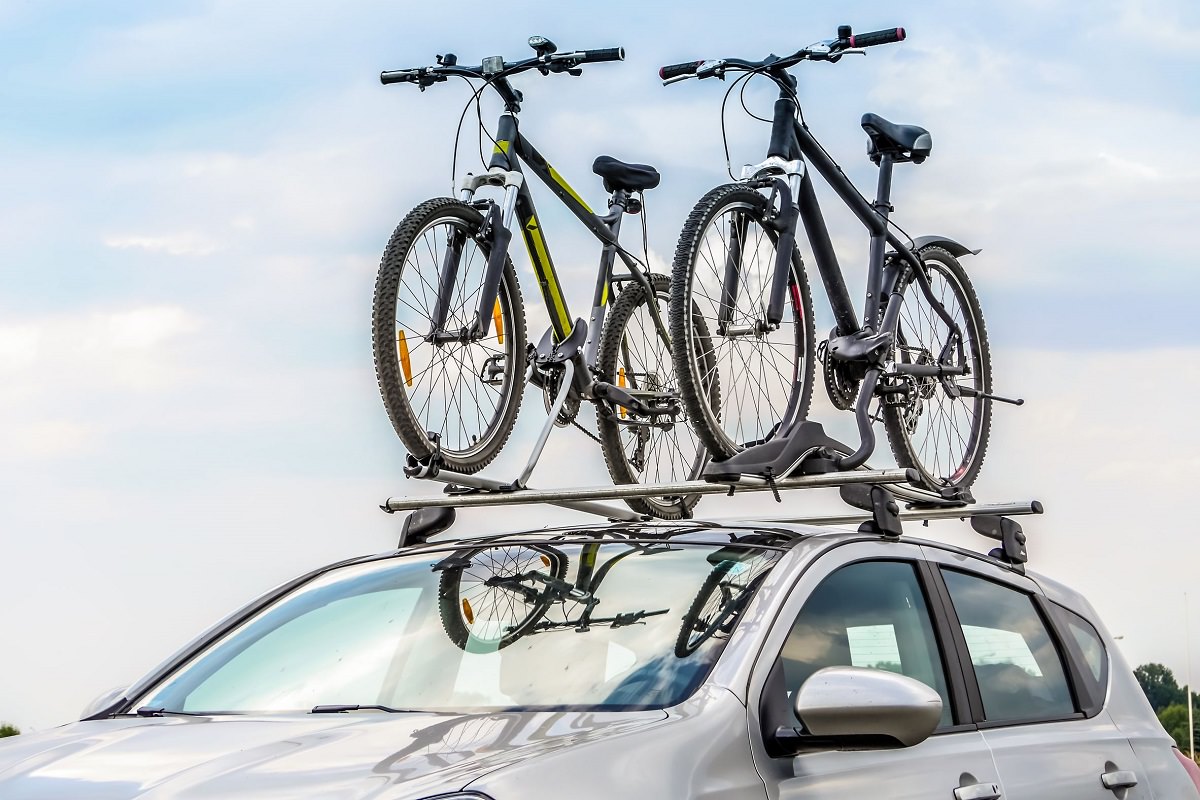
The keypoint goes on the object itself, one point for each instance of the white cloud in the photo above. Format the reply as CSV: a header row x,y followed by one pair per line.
x,y
181,244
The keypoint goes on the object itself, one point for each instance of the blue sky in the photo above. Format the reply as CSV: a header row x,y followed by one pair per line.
x,y
195,195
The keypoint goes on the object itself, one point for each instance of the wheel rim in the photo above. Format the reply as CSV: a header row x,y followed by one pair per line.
x,y
654,454
490,605
942,432
756,374
444,385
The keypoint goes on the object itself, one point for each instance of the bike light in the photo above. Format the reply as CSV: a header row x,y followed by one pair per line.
x,y
405,362
542,45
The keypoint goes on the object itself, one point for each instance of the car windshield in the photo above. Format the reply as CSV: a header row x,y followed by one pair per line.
x,y
555,626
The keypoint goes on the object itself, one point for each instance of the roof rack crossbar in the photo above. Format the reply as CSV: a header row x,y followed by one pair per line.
x,y
961,512
495,493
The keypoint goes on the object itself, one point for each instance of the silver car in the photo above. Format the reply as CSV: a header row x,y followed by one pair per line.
x,y
632,661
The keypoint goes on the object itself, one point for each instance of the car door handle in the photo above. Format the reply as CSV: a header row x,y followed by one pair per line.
x,y
978,791
1120,779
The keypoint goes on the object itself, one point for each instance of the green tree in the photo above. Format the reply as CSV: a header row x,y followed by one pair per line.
x,y
8,730
1160,686
1174,718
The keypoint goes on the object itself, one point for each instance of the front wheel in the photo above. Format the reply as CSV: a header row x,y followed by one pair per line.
x,y
634,356
489,598
940,426
460,395
744,378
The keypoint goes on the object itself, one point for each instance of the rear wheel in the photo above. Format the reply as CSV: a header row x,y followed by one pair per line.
x,y
938,429
741,380
467,393
634,356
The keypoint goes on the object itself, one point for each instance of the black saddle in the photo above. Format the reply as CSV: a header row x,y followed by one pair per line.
x,y
901,142
630,177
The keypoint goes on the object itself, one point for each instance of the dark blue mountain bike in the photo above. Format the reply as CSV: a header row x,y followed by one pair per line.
x,y
917,358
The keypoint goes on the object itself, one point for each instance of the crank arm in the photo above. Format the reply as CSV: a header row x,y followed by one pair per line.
x,y
927,370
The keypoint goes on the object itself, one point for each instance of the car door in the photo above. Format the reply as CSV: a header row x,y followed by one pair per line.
x,y
1035,689
866,604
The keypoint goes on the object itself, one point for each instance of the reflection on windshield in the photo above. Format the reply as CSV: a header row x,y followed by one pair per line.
x,y
614,625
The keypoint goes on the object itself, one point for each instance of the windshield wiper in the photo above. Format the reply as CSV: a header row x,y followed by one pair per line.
x,y
338,709
147,711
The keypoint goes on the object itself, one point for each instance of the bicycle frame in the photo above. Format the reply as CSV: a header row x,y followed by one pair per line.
x,y
504,170
791,149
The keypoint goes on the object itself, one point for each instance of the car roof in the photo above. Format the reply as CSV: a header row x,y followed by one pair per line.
x,y
745,532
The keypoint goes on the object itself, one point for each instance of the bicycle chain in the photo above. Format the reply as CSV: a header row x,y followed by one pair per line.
x,y
589,434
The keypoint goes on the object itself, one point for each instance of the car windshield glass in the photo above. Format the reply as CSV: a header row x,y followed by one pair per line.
x,y
617,626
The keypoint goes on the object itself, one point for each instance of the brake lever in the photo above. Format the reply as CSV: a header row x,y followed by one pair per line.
x,y
676,79
710,68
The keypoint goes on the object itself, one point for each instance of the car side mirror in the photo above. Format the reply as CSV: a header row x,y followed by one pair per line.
x,y
864,708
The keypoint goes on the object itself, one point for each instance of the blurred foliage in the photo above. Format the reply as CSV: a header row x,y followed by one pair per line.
x,y
1160,686
8,730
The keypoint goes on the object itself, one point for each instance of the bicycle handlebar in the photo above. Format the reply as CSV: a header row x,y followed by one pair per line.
x,y
604,54
829,50
873,38
496,67
675,70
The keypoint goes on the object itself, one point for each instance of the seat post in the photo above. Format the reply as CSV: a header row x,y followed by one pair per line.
x,y
883,191
882,206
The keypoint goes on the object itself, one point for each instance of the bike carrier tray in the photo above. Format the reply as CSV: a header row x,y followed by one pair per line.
x,y
474,491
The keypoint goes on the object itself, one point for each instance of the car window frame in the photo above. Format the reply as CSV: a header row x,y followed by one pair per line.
x,y
1040,606
1092,692
766,672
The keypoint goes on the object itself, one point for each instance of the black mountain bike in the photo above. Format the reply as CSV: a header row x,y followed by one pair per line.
x,y
449,324
917,358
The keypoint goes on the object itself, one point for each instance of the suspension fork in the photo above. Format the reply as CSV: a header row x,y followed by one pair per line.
x,y
499,227
733,270
785,224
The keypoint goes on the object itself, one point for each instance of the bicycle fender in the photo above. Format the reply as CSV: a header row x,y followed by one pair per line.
x,y
949,245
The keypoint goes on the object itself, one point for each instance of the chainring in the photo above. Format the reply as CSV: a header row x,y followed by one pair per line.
x,y
550,386
841,387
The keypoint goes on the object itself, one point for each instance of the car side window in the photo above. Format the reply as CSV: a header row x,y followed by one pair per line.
x,y
1089,651
867,614
1019,670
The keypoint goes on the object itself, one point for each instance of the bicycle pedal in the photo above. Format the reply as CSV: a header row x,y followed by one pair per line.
x,y
618,396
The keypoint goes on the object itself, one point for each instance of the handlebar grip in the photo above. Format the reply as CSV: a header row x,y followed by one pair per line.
x,y
877,37
675,70
604,54
395,76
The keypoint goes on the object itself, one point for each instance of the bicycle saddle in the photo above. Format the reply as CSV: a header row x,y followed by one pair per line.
x,y
903,142
619,175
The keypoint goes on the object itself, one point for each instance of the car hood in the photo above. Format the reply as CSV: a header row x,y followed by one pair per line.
x,y
347,756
